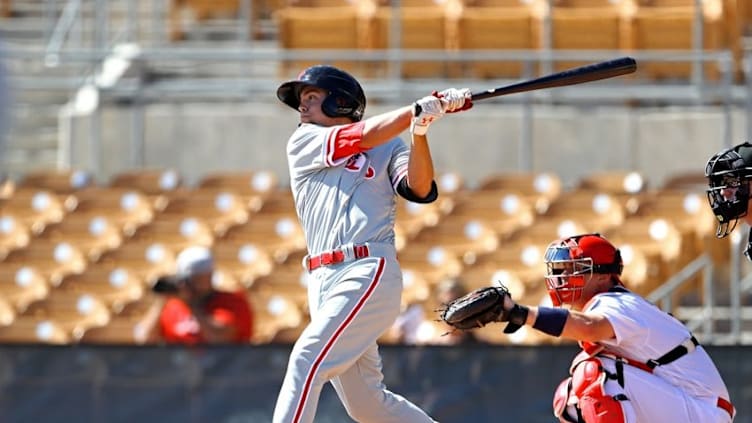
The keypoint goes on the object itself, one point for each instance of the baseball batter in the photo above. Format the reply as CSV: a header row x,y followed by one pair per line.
x,y
638,364
729,172
345,173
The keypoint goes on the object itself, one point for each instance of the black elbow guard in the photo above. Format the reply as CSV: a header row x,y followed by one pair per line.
x,y
405,192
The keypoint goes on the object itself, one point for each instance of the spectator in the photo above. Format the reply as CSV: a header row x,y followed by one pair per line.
x,y
192,311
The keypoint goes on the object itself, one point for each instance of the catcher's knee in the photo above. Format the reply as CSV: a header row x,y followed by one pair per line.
x,y
582,398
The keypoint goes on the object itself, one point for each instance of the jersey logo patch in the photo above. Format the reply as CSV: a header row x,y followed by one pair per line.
x,y
356,162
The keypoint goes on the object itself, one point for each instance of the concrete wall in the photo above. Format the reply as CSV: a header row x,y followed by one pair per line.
x,y
569,140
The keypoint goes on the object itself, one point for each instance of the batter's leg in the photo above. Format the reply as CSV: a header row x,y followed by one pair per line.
x,y
366,398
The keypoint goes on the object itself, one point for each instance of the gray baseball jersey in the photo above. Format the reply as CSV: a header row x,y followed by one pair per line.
x,y
345,195
342,194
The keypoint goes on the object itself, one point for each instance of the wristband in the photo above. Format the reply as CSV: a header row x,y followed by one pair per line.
x,y
551,320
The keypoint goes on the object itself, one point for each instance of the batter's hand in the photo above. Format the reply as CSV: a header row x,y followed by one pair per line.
x,y
455,100
426,111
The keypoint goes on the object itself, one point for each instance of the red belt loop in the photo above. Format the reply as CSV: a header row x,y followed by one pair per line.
x,y
335,256
726,405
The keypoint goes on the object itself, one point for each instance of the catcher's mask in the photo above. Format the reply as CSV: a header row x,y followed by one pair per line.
x,y
570,262
345,96
728,174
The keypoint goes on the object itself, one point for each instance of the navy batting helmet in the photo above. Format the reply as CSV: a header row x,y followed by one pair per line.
x,y
345,98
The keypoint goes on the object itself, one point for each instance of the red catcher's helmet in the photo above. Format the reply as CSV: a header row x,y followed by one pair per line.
x,y
570,262
345,96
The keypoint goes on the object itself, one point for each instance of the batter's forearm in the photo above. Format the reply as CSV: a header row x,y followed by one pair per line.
x,y
383,128
420,171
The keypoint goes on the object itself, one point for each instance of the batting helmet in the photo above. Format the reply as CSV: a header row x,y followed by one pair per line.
x,y
571,261
728,174
345,98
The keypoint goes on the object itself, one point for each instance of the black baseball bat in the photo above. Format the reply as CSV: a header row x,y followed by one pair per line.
x,y
587,73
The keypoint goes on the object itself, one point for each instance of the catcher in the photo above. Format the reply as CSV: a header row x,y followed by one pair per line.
x,y
638,363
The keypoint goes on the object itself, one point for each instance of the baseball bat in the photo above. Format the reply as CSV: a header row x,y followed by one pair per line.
x,y
582,74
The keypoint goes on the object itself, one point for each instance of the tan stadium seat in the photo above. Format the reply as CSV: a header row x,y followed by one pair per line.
x,y
433,263
415,288
318,28
156,184
628,187
33,330
219,208
127,208
464,236
414,217
278,202
279,236
53,259
93,234
199,10
21,284
73,312
14,234
273,313
59,181
243,259
149,260
176,231
36,208
254,186
503,211
594,210
288,278
523,258
574,23
114,286
7,312
668,25
547,229
422,28
540,188
120,330
499,25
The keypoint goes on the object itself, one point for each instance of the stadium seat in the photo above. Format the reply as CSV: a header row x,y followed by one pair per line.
x,y
36,208
114,286
463,236
156,184
524,259
669,25
278,202
573,23
200,10
422,28
540,188
177,232
33,330
594,210
74,313
254,186
242,259
59,181
499,25
53,259
279,236
21,284
432,262
414,217
476,277
318,28
415,288
547,229
91,233
149,260
7,312
220,209
273,313
14,234
658,239
6,10
288,279
503,211
120,330
127,208
628,187
694,181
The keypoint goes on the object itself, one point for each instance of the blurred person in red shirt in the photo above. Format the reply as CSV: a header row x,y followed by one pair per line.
x,y
193,311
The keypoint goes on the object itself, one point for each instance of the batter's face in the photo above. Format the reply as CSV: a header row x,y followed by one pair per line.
x,y
310,107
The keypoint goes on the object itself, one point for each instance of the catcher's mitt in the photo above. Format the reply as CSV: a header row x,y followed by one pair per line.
x,y
484,306
476,309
